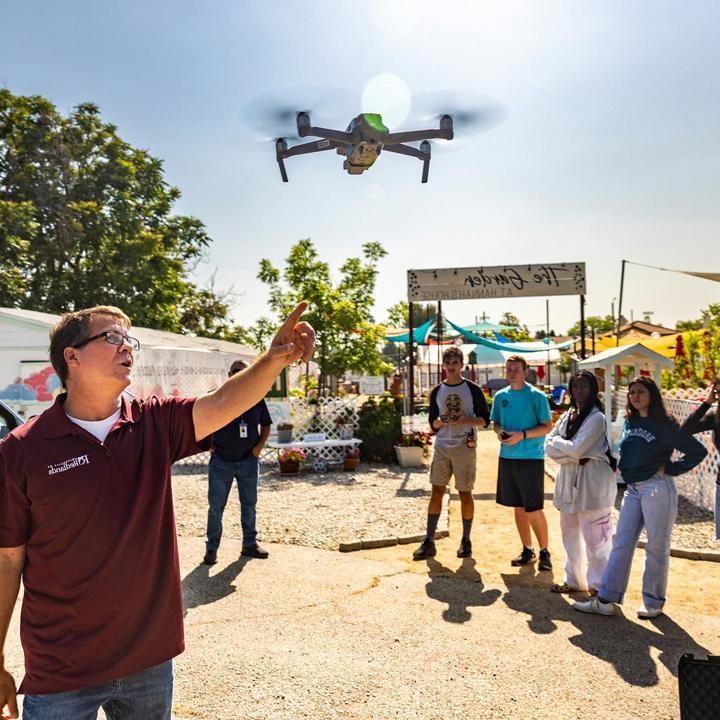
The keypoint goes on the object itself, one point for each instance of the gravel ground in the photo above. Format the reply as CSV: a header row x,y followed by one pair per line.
x,y
694,528
316,510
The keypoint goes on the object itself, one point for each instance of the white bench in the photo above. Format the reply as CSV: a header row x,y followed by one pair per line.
x,y
319,447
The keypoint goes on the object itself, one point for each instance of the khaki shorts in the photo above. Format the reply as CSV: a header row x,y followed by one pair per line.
x,y
458,461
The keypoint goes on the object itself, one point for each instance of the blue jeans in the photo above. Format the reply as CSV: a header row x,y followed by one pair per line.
x,y
146,695
651,504
221,474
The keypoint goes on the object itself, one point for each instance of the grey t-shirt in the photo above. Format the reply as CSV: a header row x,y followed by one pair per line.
x,y
449,402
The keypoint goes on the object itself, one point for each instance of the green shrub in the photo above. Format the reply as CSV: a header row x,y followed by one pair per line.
x,y
379,425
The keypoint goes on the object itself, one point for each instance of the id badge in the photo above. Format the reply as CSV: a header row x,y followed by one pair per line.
x,y
243,430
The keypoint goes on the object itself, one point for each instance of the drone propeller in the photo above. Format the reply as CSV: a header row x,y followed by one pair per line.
x,y
271,117
471,115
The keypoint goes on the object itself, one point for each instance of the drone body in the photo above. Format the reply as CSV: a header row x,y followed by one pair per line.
x,y
362,142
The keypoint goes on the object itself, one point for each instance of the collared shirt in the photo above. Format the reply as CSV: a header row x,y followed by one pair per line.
x,y
102,582
236,440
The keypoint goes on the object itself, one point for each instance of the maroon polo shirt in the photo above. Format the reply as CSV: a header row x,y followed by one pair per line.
x,y
103,597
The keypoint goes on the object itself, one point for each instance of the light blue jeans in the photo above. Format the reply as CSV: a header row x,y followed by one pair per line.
x,y
651,504
146,695
221,474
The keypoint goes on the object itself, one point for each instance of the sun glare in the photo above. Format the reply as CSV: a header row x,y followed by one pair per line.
x,y
388,95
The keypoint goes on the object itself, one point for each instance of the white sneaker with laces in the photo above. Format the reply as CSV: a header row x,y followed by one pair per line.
x,y
646,612
593,605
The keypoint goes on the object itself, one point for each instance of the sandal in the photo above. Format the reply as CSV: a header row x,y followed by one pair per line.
x,y
563,588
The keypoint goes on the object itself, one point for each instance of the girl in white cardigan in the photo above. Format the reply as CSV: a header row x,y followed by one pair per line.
x,y
585,486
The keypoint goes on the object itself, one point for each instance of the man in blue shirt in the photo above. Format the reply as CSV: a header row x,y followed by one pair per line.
x,y
521,418
235,455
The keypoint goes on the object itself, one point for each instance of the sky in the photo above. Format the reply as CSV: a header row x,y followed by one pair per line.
x,y
608,147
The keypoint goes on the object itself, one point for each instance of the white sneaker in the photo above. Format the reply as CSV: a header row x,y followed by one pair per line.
x,y
647,612
593,605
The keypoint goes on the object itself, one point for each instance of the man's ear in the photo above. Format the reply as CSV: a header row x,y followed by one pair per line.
x,y
72,357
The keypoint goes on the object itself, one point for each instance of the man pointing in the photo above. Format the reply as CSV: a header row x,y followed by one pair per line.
x,y
86,520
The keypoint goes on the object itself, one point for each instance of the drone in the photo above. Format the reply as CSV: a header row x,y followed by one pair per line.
x,y
362,142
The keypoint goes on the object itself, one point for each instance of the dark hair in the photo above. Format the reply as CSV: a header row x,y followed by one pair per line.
x,y
656,409
519,359
72,328
453,352
576,419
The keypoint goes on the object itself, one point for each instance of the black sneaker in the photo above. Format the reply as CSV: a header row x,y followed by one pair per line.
x,y
210,557
527,555
465,549
426,550
254,551
545,563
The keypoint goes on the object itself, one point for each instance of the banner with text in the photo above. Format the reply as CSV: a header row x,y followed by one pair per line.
x,y
503,281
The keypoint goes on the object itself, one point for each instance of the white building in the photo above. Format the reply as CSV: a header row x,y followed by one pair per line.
x,y
167,364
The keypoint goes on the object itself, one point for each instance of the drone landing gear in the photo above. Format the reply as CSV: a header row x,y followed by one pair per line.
x,y
421,154
282,151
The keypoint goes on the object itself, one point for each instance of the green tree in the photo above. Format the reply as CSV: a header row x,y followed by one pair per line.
x,y
398,314
521,332
347,338
86,218
601,325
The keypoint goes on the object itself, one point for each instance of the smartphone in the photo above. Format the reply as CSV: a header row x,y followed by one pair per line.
x,y
504,435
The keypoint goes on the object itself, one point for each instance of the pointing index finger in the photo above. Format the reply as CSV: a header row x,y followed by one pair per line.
x,y
295,315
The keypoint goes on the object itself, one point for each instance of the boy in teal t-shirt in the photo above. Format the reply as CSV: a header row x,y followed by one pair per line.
x,y
521,419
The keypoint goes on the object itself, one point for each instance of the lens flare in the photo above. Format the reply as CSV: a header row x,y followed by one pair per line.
x,y
388,95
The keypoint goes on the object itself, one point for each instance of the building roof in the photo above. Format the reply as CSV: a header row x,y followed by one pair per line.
x,y
641,328
148,337
626,355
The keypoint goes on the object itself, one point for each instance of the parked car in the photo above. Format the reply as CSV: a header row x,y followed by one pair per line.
x,y
8,420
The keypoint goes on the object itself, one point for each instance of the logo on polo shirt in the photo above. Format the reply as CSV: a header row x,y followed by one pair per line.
x,y
69,464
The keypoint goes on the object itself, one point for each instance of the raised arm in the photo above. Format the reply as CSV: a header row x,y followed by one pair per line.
x,y
12,561
693,452
295,340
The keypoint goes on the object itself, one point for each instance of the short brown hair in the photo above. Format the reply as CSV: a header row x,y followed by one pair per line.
x,y
72,328
453,352
518,358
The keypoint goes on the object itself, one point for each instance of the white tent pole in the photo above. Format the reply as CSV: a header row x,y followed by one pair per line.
x,y
608,401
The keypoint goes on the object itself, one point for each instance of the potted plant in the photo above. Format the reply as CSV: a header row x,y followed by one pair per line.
x,y
410,448
290,460
351,459
284,432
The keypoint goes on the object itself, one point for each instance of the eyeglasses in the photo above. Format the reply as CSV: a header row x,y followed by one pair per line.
x,y
113,338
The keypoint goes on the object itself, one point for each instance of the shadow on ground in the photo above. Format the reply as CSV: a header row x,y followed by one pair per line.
x,y
459,589
616,640
200,588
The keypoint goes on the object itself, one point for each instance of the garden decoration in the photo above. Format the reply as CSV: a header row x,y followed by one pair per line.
x,y
351,459
284,432
320,465
290,460
411,447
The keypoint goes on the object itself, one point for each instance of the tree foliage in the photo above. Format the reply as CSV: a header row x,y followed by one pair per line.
x,y
697,357
86,218
347,338
601,324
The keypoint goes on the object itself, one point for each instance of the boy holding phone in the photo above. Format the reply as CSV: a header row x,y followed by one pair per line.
x,y
457,407
521,418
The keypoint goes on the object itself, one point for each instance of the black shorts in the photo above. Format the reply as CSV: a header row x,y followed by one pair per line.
x,y
521,483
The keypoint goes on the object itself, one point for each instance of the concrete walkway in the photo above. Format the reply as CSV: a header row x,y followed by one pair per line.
x,y
319,634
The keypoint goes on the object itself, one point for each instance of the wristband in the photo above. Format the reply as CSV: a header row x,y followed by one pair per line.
x,y
524,434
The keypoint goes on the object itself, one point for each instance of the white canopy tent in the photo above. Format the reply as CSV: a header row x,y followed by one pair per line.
x,y
637,355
